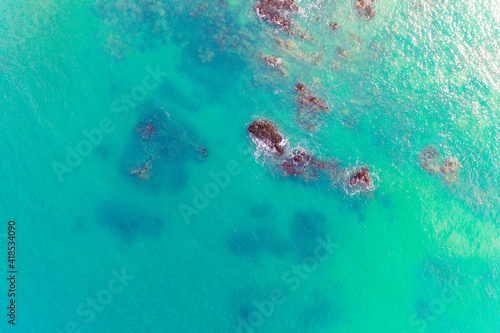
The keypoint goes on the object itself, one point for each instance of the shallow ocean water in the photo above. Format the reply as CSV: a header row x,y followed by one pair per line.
x,y
416,254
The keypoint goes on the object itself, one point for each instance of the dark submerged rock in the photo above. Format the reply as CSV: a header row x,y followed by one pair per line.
x,y
143,172
307,101
334,26
365,9
430,159
433,162
266,132
290,169
162,144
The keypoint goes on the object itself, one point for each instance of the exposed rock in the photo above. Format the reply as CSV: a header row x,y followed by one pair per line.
x,y
296,164
290,48
300,157
271,60
265,132
276,12
361,177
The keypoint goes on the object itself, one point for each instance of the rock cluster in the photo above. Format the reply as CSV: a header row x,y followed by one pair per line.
x,y
300,162
429,159
433,162
159,143
276,12
365,9
295,162
146,129
265,132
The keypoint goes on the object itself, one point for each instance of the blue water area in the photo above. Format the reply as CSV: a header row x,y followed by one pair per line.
x,y
143,204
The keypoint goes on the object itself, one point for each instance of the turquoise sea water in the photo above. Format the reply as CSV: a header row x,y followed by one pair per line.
x,y
99,250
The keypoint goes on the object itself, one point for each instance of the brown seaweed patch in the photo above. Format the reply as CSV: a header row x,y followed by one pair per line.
x,y
265,131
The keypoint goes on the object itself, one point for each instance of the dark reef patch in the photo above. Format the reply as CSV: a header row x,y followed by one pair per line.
x,y
216,69
276,12
310,106
159,149
261,211
433,162
365,8
307,227
258,241
128,221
